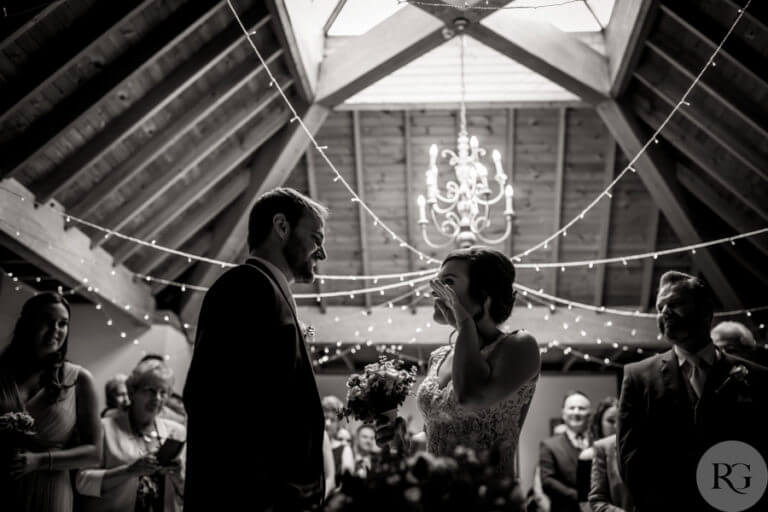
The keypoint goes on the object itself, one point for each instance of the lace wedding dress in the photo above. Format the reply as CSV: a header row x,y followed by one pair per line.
x,y
448,425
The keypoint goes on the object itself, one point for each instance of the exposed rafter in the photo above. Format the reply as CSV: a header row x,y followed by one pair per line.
x,y
334,14
657,173
209,177
167,137
625,35
194,222
182,79
38,235
305,79
174,268
270,169
154,46
22,27
552,53
138,203
393,43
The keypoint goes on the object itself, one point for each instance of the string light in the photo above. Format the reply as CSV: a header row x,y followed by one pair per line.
x,y
466,7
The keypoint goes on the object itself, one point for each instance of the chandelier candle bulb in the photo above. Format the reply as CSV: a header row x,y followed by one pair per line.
x,y
422,209
508,193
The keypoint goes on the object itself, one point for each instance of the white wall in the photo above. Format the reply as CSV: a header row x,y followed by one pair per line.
x,y
100,347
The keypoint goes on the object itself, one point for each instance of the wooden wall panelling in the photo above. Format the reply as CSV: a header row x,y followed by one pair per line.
x,y
312,192
18,25
360,190
509,167
152,47
605,224
558,203
412,230
648,264
181,79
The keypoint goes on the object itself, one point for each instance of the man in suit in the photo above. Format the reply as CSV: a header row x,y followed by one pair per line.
x,y
250,354
676,405
559,455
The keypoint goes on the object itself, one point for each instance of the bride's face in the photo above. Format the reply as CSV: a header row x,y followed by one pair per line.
x,y
455,275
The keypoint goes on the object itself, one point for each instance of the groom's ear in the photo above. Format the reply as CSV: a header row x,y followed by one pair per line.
x,y
281,226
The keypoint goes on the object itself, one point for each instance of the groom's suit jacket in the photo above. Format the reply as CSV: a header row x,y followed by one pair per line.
x,y
255,428
663,430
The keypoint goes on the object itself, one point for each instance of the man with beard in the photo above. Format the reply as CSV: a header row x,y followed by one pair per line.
x,y
676,405
250,353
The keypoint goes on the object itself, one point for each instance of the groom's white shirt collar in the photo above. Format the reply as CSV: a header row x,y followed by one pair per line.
x,y
708,354
282,281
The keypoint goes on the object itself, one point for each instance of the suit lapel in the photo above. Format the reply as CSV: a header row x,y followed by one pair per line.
x,y
671,375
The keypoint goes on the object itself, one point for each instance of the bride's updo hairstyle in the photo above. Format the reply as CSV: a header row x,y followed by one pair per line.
x,y
491,274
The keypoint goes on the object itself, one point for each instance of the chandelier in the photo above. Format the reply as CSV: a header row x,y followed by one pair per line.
x,y
461,213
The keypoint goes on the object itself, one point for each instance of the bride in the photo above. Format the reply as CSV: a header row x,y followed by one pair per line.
x,y
477,390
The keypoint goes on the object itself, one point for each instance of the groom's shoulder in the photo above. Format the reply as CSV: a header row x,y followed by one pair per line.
x,y
243,276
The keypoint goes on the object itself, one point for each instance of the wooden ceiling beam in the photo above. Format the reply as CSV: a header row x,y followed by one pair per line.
x,y
625,36
202,149
270,169
195,222
552,53
38,235
656,171
156,44
288,38
171,87
749,188
200,246
740,220
63,52
670,89
748,61
334,14
167,137
222,167
16,30
719,90
363,60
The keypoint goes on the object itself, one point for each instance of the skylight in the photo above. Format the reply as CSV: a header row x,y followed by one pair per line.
x,y
359,16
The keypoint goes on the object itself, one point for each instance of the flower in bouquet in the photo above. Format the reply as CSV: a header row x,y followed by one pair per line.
x,y
16,434
382,387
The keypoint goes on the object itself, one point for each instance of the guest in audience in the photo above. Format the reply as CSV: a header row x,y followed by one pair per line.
x,y
343,458
607,492
36,378
676,405
366,450
130,478
603,424
173,408
116,394
736,339
559,455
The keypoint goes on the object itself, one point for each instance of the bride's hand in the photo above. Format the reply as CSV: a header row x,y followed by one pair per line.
x,y
391,432
447,298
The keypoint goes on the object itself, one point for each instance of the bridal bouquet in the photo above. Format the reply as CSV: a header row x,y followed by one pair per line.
x,y
379,390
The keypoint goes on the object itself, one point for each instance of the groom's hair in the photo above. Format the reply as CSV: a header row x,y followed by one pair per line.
x,y
702,293
283,200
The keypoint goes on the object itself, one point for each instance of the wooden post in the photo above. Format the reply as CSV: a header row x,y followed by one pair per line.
x,y
312,189
558,206
605,225
361,193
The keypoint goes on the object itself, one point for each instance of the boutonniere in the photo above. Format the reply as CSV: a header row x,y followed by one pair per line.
x,y
737,374
307,331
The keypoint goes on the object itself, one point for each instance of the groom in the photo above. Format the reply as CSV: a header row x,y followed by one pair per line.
x,y
255,429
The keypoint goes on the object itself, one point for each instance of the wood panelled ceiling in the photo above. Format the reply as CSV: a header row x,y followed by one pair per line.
x,y
155,119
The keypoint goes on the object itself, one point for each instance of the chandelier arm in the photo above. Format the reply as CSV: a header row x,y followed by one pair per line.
x,y
432,244
452,199
496,199
439,225
493,241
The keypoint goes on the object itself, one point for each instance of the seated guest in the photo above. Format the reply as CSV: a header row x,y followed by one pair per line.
x,y
174,409
116,394
676,405
607,492
366,450
343,458
736,339
130,478
559,455
603,424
